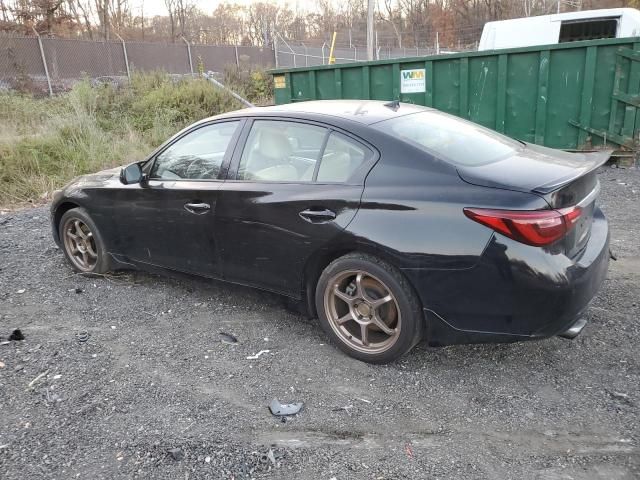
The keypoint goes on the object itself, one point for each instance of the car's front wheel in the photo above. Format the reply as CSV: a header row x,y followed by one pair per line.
x,y
368,308
82,243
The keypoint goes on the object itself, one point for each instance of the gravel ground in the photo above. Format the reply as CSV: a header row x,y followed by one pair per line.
x,y
154,376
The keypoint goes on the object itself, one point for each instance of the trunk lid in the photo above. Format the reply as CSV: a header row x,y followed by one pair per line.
x,y
534,169
563,179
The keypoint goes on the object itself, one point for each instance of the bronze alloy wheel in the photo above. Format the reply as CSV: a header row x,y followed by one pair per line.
x,y
362,311
80,244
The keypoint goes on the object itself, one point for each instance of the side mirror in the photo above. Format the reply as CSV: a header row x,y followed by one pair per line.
x,y
131,174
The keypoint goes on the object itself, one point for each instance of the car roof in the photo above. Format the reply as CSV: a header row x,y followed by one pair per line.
x,y
366,112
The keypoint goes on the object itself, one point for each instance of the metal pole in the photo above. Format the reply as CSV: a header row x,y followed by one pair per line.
x,y
237,58
323,47
332,59
437,43
126,59
44,61
189,52
275,49
244,101
306,55
370,9
377,47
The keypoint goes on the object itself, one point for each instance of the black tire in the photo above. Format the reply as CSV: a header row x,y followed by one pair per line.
x,y
405,304
99,264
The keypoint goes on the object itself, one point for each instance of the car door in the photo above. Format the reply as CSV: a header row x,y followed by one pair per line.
x,y
292,188
168,220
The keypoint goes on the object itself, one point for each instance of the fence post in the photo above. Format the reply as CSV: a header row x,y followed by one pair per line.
x,y
237,58
126,59
44,61
275,49
189,52
306,55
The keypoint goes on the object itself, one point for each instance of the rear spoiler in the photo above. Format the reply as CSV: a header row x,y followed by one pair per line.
x,y
591,161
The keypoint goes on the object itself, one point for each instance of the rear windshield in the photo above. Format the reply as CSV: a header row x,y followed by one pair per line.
x,y
449,138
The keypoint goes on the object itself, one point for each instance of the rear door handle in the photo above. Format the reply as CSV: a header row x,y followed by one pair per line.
x,y
197,208
314,215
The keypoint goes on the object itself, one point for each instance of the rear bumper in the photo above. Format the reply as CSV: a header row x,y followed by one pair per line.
x,y
514,293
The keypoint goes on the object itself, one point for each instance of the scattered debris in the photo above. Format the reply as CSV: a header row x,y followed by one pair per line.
x,y
346,408
207,459
21,291
408,450
228,338
271,457
253,357
279,409
57,377
113,327
35,380
1,364
82,336
176,453
78,290
613,256
16,336
363,400
620,396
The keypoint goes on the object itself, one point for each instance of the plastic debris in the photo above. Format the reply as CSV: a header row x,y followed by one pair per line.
x,y
16,336
82,336
271,457
228,338
35,380
253,357
279,409
176,453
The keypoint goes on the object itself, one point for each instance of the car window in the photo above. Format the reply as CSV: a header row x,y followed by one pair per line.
x,y
281,151
450,138
196,156
341,158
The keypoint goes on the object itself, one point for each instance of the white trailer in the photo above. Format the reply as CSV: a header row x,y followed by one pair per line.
x,y
560,28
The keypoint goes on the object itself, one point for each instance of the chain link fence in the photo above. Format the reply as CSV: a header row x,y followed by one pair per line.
x,y
289,53
49,65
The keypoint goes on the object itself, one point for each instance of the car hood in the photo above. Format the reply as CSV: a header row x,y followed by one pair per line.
x,y
534,169
95,179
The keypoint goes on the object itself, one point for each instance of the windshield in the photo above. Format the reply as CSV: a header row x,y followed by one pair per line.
x,y
450,138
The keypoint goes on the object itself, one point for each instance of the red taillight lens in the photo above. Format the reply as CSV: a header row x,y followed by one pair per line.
x,y
537,227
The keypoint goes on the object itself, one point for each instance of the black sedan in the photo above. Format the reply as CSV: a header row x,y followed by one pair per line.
x,y
390,222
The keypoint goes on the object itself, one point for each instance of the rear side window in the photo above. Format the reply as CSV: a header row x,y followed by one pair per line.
x,y
341,158
281,151
588,29
449,138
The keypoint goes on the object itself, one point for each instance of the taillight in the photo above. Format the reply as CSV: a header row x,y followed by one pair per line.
x,y
537,227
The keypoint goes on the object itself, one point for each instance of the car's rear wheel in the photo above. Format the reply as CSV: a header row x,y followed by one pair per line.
x,y
368,308
82,243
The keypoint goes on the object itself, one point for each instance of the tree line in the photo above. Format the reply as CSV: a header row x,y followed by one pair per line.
x,y
398,23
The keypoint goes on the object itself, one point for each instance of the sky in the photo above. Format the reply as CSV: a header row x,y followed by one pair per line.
x,y
156,7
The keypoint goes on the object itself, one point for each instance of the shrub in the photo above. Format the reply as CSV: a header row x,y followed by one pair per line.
x,y
46,142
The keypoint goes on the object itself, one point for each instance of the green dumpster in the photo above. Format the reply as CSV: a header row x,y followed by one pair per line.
x,y
572,96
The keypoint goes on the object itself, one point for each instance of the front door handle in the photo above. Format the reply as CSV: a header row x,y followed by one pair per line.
x,y
197,208
317,215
